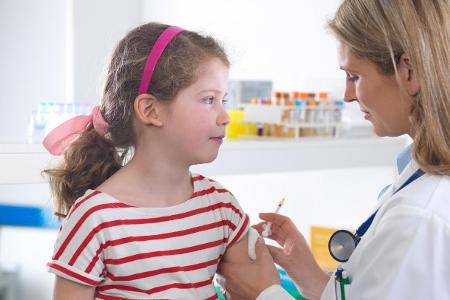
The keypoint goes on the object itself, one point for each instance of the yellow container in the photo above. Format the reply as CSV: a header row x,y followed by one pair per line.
x,y
237,126
250,129
319,247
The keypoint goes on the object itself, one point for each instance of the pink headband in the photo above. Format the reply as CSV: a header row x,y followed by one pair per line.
x,y
60,137
161,43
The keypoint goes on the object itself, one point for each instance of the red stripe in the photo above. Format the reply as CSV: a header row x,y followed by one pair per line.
x,y
150,237
241,230
181,286
77,204
203,192
104,225
208,191
147,274
73,274
213,297
127,259
81,221
197,178
123,205
177,285
107,297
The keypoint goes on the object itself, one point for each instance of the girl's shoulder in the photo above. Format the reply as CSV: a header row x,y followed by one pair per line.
x,y
205,186
203,180
90,203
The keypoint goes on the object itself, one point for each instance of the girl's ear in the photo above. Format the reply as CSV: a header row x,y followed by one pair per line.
x,y
408,75
148,110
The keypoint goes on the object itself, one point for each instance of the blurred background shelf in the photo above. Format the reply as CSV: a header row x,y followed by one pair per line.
x,y
23,163
267,156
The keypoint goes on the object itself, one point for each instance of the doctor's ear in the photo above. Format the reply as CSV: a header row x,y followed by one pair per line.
x,y
407,75
148,110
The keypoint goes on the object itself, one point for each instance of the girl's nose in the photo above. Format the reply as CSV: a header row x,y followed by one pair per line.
x,y
223,119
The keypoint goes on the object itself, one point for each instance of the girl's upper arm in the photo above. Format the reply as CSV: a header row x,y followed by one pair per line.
x,y
238,252
70,290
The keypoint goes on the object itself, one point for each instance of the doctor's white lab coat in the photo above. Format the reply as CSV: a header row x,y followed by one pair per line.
x,y
405,253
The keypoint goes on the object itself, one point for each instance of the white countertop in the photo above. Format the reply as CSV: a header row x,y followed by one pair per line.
x,y
23,163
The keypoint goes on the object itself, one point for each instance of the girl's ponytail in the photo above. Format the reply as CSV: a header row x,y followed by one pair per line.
x,y
88,161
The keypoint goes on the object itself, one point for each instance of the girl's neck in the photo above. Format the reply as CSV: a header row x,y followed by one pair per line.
x,y
147,181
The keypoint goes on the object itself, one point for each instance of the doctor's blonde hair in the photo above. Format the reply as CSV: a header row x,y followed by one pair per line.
x,y
381,31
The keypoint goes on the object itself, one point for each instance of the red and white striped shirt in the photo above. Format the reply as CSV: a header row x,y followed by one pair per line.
x,y
130,252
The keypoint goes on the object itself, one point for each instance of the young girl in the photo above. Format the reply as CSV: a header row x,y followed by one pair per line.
x,y
147,228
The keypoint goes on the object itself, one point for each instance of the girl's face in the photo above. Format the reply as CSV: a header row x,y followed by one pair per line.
x,y
195,121
382,100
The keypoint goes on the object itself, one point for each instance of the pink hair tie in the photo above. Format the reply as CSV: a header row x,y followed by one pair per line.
x,y
59,138
161,43
99,123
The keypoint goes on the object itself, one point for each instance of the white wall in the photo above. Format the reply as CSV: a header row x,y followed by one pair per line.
x,y
42,62
291,48
280,40
42,59
98,25
32,59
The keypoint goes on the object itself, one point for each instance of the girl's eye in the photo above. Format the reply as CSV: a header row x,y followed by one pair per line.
x,y
209,100
225,100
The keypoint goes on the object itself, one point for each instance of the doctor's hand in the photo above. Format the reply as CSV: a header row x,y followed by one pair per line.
x,y
246,280
294,255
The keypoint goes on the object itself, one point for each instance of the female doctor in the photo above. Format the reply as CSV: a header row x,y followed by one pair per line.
x,y
396,55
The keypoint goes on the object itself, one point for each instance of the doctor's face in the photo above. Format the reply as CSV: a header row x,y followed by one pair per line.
x,y
380,97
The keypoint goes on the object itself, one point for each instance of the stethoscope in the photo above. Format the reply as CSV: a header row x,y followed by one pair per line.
x,y
343,242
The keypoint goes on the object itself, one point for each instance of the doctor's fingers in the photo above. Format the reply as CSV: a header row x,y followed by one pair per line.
x,y
279,256
275,233
280,220
274,228
282,232
273,217
283,226
259,227
280,239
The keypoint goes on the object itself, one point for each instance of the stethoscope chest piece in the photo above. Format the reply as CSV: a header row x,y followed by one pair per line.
x,y
342,244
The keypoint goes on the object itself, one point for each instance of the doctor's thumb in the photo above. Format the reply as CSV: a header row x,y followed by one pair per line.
x,y
277,253
261,249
